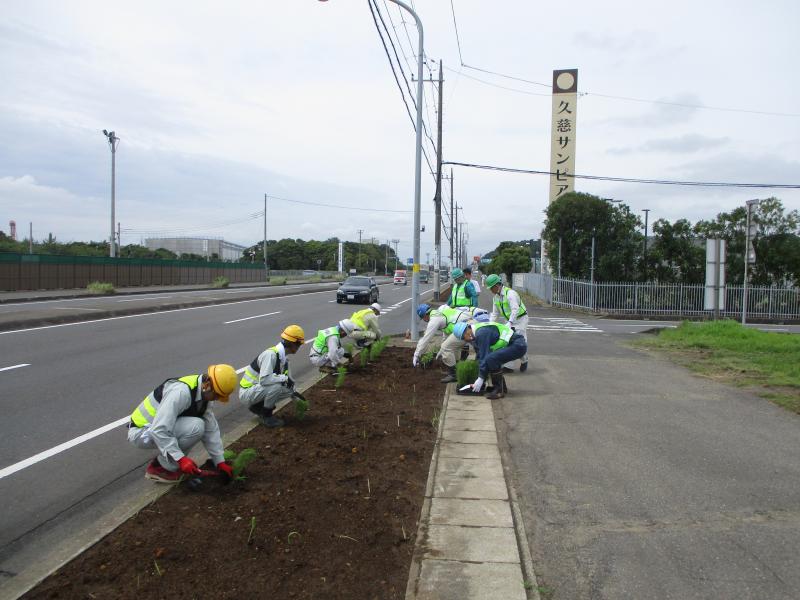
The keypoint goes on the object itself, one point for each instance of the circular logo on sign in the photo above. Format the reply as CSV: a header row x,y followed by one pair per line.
x,y
565,81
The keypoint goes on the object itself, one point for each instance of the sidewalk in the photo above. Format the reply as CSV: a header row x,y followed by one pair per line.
x,y
471,532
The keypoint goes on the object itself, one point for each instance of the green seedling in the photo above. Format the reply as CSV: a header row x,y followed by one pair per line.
x,y
342,373
290,536
158,569
252,529
364,356
239,461
426,359
435,419
300,408
376,348
349,348
466,372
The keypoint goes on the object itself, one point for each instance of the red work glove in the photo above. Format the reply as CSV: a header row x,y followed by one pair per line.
x,y
188,466
225,469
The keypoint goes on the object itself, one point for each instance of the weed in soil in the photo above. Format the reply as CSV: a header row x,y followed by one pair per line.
x,y
300,525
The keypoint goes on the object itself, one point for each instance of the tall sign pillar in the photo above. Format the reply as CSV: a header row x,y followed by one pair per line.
x,y
562,138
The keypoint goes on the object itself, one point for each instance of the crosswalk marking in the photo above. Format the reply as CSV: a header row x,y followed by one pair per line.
x,y
561,324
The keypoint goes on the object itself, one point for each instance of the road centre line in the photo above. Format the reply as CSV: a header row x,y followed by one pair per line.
x,y
160,312
15,367
36,458
144,298
74,308
253,317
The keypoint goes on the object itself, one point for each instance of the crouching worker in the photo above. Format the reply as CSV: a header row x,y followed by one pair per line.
x,y
494,344
326,350
175,416
366,329
444,319
267,381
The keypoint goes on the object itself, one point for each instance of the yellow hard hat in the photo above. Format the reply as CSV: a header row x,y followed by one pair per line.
x,y
294,333
224,380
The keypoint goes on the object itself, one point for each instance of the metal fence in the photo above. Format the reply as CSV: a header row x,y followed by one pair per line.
x,y
653,299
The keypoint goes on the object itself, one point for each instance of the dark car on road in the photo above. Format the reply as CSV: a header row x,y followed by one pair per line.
x,y
357,289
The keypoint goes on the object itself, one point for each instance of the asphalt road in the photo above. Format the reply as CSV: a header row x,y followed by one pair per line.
x,y
65,381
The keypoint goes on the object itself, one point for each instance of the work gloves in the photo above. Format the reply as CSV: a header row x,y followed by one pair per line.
x,y
188,466
347,355
415,361
289,382
478,385
225,470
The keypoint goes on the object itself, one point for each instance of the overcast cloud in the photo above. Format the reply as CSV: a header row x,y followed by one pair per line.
x,y
217,104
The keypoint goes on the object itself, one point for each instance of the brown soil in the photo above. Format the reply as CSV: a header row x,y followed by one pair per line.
x,y
329,508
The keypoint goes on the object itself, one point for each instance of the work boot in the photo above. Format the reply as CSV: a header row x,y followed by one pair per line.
x,y
523,366
158,473
268,420
498,386
451,375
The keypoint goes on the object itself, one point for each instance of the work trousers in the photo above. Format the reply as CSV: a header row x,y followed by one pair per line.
x,y
450,347
187,430
258,398
321,360
521,327
516,348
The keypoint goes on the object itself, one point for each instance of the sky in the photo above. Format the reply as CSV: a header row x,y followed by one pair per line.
x,y
217,104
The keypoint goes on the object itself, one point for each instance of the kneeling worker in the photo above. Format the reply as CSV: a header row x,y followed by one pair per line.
x,y
267,380
495,344
367,329
175,416
326,350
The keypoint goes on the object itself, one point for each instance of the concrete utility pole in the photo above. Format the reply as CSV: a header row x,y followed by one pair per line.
x,y
266,263
30,239
747,257
395,242
113,141
358,260
452,216
457,232
437,258
386,260
646,212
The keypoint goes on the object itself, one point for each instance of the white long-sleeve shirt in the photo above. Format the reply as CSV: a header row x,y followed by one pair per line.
x,y
436,324
513,303
177,398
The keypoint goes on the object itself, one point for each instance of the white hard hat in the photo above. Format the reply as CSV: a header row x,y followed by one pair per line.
x,y
347,325
375,306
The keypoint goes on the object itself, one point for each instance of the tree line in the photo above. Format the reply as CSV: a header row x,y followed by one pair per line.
x,y
675,251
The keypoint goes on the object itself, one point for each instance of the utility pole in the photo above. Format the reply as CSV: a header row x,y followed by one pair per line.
x,y
386,260
437,258
266,263
30,239
747,257
456,231
591,271
113,141
646,212
358,260
395,242
119,237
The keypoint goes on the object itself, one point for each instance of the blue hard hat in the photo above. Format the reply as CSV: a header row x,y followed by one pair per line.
x,y
423,309
459,329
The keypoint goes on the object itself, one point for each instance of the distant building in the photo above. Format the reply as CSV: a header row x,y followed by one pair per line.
x,y
207,247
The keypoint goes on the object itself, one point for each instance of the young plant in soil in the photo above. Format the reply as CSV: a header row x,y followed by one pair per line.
x,y
364,355
376,349
239,461
300,408
426,359
342,373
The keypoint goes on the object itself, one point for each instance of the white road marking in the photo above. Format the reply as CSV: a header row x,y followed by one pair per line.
x,y
562,324
15,367
144,298
152,314
23,464
253,317
75,308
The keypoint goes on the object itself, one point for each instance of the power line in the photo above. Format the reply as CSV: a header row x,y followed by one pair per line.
x,y
631,179
455,26
384,210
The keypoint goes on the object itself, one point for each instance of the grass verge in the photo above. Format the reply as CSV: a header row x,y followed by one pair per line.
x,y
766,362
99,287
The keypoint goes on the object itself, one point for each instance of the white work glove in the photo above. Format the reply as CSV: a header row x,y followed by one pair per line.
x,y
415,361
478,385
281,378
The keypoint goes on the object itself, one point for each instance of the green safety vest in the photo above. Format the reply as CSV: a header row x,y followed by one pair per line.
x,y
253,371
501,302
458,297
146,411
321,341
358,317
505,334
452,316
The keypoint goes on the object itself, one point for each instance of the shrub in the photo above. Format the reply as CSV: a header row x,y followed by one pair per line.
x,y
97,287
314,279
277,280
376,348
220,282
342,373
466,372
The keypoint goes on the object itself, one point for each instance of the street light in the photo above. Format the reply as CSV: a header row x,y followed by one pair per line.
x,y
113,141
417,172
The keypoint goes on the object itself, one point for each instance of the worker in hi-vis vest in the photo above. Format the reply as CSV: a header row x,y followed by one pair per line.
x,y
443,319
326,349
495,344
267,379
462,292
508,305
367,329
175,416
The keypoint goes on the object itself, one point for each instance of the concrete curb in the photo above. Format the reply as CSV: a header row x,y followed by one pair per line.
x,y
54,558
